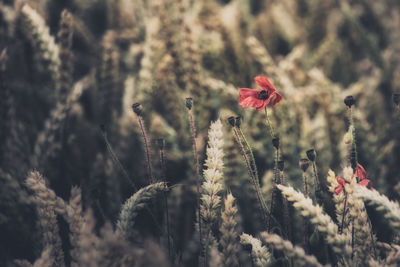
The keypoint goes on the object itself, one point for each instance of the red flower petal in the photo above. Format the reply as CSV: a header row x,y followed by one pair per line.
x,y
265,84
339,188
277,97
249,98
361,173
246,92
367,183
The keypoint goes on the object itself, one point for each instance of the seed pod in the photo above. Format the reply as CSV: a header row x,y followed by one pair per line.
x,y
137,108
189,103
311,154
232,121
275,142
349,101
238,121
304,164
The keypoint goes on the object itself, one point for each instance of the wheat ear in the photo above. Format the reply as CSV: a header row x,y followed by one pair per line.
x,y
259,253
321,220
390,209
298,253
229,244
134,204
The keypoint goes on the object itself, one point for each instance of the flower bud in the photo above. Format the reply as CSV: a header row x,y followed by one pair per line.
x,y
396,98
311,154
281,165
232,121
304,164
189,103
161,143
275,142
137,108
238,121
349,101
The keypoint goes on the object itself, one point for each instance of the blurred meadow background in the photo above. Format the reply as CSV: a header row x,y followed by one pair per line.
x,y
71,70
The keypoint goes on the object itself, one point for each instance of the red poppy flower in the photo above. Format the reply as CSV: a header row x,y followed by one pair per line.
x,y
259,99
340,187
362,177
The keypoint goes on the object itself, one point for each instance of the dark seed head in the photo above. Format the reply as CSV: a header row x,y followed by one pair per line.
x,y
281,165
396,98
189,103
304,164
349,101
238,121
137,108
161,143
232,121
263,95
311,154
102,128
275,142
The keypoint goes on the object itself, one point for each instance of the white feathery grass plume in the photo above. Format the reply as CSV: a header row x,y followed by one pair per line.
x,y
390,209
134,204
259,253
213,175
39,34
321,220
299,255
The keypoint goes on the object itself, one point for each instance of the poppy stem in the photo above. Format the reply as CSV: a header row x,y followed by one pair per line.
x,y
344,212
286,210
316,179
275,181
163,173
261,202
253,161
269,124
306,224
196,157
147,148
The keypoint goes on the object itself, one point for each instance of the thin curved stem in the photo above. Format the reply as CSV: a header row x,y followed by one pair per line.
x,y
147,148
196,157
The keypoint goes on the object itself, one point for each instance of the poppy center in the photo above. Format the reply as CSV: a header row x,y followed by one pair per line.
x,y
263,95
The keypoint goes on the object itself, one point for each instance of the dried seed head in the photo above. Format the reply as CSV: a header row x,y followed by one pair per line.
x,y
311,154
275,142
189,103
349,101
396,98
102,128
281,165
238,121
304,164
137,108
161,143
232,121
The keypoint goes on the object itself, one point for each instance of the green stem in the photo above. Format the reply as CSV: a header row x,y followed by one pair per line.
x,y
316,180
264,209
269,124
253,161
196,157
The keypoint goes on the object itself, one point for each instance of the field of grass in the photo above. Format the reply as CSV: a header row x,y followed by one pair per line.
x,y
199,133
